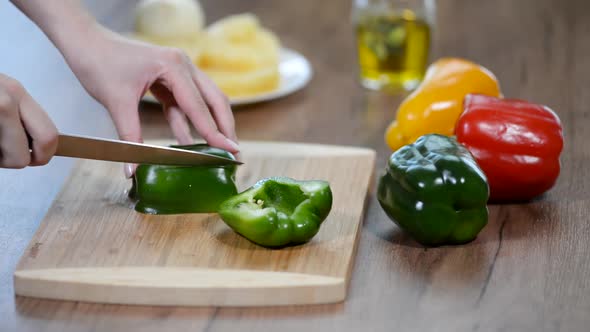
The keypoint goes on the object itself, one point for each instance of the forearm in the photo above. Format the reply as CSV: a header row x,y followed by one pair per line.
x,y
66,22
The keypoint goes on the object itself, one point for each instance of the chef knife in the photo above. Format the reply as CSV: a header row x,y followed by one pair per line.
x,y
120,151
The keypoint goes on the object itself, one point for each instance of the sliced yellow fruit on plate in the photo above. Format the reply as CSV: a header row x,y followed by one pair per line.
x,y
240,84
235,28
221,54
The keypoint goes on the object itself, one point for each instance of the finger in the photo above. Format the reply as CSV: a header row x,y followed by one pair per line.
x,y
126,119
14,147
218,104
177,120
41,130
179,124
192,104
129,169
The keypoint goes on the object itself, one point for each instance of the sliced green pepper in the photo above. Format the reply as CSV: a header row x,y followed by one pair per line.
x,y
434,190
163,189
277,212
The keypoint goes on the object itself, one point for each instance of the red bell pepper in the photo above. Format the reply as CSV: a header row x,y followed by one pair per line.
x,y
516,143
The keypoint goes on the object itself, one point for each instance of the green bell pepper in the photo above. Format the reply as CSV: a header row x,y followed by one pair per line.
x,y
161,189
278,212
434,190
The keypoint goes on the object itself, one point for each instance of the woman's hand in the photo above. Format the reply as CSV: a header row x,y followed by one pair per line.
x,y
19,115
118,71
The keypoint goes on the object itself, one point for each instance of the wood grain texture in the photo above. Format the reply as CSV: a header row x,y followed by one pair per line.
x,y
527,271
92,246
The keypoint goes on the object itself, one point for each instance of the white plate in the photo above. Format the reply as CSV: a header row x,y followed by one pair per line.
x,y
294,70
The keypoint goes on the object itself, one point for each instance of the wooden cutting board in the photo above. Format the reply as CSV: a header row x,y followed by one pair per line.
x,y
92,246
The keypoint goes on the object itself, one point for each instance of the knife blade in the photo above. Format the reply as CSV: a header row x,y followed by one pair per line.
x,y
86,147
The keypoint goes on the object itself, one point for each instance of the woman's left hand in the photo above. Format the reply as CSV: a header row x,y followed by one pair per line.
x,y
118,71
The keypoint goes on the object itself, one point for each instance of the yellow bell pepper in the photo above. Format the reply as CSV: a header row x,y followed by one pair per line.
x,y
435,106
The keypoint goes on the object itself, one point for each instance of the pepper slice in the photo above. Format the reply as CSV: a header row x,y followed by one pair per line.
x,y
434,191
279,211
163,189
516,143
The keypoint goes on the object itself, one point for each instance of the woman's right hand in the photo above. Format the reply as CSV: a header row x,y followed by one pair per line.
x,y
19,115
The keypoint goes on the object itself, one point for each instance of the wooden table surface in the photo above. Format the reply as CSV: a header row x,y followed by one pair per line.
x,y
529,269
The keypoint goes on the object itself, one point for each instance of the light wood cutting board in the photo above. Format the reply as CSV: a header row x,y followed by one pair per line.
x,y
92,246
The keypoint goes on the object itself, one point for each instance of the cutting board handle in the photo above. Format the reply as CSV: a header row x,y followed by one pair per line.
x,y
178,286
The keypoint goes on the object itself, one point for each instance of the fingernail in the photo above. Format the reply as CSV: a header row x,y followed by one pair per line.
x,y
235,147
129,170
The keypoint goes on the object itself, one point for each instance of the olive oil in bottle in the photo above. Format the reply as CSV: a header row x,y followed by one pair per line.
x,y
392,49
